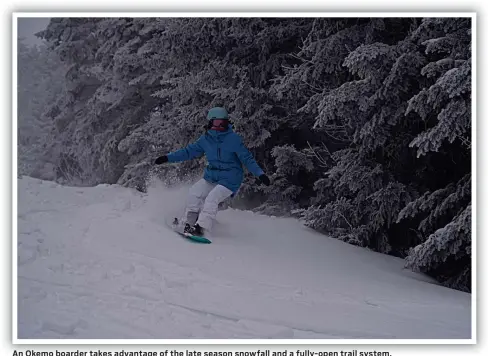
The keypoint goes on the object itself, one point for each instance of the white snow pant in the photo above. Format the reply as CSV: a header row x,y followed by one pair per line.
x,y
203,201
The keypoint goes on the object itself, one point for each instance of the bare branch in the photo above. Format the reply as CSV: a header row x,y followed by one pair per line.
x,y
330,155
321,160
317,90
345,220
301,59
289,68
339,129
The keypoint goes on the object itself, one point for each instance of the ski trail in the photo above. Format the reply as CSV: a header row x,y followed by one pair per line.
x,y
101,263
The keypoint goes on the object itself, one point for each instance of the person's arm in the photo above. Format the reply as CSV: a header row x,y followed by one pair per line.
x,y
191,151
245,156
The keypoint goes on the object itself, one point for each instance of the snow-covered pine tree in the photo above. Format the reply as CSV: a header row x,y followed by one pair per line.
x,y
39,83
447,253
152,80
312,74
445,109
341,114
359,198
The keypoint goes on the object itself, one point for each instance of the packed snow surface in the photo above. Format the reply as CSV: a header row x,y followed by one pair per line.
x,y
101,263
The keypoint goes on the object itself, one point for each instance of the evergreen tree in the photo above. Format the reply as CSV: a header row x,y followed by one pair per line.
x,y
39,83
411,94
444,107
143,83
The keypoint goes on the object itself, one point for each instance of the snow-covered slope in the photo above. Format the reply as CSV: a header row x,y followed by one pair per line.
x,y
101,263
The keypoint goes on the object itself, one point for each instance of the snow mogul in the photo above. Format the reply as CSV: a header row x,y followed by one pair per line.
x,y
223,175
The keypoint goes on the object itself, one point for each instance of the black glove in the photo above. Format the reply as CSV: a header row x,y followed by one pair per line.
x,y
264,179
161,160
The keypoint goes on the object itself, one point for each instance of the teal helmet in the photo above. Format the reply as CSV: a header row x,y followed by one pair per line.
x,y
217,113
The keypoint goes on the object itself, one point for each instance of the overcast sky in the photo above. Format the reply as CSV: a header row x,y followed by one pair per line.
x,y
27,26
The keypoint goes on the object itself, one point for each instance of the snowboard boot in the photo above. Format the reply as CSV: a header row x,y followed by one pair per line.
x,y
195,230
187,228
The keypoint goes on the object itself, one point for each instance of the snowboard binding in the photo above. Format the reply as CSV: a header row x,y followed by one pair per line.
x,y
195,230
194,233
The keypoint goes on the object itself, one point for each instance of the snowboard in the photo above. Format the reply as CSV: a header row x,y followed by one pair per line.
x,y
179,230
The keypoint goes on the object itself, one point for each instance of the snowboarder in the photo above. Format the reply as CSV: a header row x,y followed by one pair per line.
x,y
224,174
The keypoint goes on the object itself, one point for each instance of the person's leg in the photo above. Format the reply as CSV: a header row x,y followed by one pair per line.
x,y
196,197
211,206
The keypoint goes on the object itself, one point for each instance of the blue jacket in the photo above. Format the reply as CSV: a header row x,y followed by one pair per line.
x,y
225,153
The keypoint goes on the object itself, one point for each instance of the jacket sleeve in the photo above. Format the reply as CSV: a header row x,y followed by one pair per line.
x,y
246,158
191,151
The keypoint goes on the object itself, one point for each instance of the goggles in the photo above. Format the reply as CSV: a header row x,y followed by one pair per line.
x,y
219,124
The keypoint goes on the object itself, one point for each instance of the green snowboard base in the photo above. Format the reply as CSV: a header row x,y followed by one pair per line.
x,y
179,230
194,238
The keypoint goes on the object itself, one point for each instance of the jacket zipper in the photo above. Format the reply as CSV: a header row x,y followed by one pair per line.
x,y
218,155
